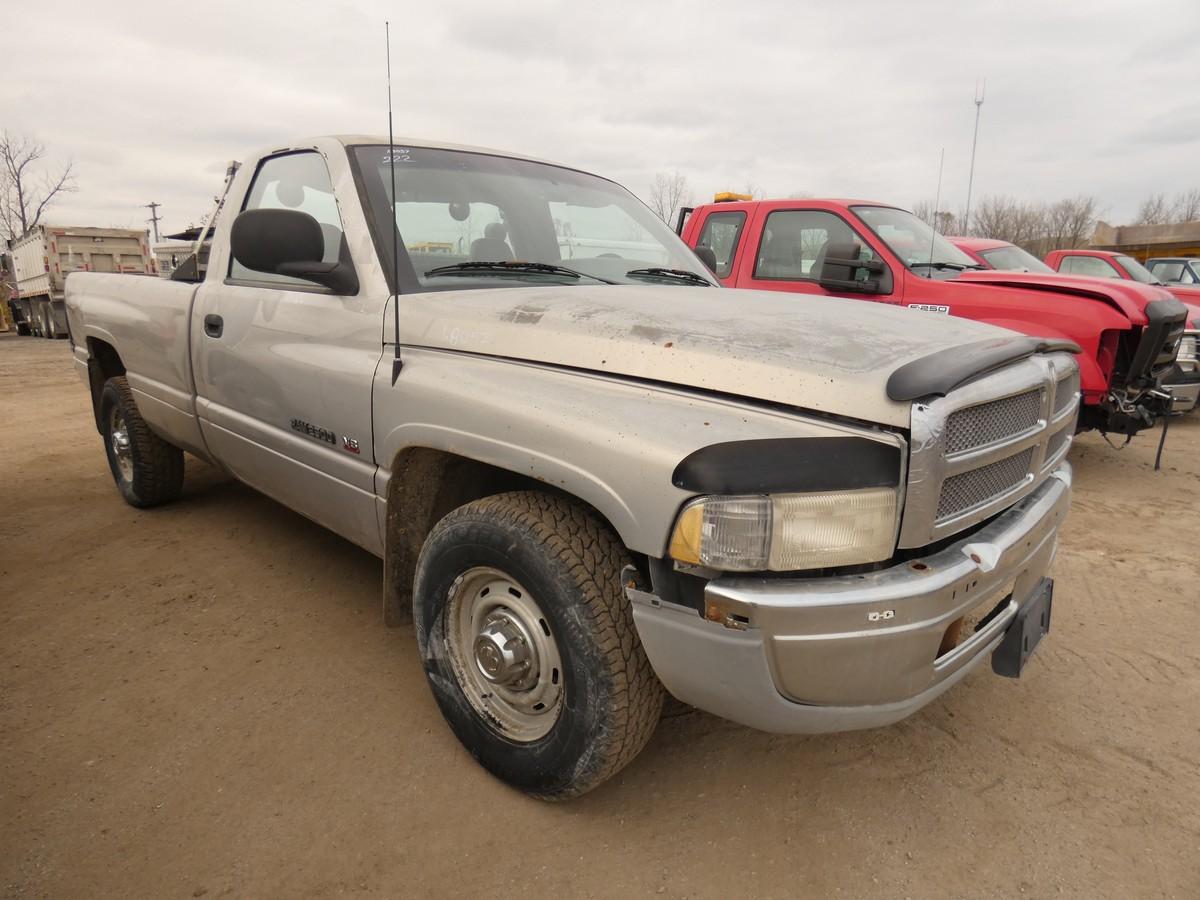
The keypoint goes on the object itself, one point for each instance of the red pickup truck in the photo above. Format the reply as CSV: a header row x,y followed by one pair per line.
x,y
1109,264
1129,334
1183,381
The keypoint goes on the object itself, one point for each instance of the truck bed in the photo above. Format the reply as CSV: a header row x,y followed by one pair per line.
x,y
149,319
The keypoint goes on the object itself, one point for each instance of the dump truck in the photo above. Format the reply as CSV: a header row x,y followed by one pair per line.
x,y
45,255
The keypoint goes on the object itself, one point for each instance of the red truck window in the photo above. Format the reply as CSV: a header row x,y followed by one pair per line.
x,y
1094,266
721,233
793,242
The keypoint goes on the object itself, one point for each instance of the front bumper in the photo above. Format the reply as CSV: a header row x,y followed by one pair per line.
x,y
817,655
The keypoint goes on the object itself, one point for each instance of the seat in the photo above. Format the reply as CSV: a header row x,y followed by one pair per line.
x,y
492,247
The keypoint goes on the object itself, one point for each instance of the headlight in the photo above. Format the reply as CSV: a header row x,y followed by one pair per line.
x,y
787,532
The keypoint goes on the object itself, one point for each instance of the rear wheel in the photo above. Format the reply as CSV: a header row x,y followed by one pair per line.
x,y
529,643
147,470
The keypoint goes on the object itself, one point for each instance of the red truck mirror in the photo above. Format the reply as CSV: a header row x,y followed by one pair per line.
x,y
841,265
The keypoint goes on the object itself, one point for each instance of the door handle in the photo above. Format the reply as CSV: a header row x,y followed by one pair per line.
x,y
213,325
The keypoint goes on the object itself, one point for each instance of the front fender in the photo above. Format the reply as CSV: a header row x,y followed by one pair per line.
x,y
611,442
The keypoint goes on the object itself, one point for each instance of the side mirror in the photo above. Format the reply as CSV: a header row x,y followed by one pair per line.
x,y
707,256
839,271
289,242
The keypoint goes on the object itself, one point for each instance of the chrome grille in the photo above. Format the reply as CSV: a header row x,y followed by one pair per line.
x,y
985,445
978,486
978,426
1189,351
1065,391
1057,440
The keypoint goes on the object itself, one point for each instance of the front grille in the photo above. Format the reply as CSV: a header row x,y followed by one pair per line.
x,y
1056,442
1065,391
978,486
978,426
1188,350
985,445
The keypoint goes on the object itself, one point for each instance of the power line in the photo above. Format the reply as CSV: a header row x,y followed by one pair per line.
x,y
153,207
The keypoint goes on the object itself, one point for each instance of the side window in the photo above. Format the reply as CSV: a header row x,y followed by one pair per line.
x,y
1174,272
294,181
1091,266
721,233
794,241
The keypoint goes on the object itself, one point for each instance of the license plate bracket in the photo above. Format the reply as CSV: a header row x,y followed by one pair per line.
x,y
1031,624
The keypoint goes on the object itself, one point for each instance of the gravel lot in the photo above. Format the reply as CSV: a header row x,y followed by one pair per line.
x,y
202,700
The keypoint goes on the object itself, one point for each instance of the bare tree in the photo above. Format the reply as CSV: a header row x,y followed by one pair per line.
x,y
1186,207
1153,211
942,220
24,194
668,193
1070,224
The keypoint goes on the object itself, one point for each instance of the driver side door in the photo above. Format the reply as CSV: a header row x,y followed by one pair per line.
x,y
284,367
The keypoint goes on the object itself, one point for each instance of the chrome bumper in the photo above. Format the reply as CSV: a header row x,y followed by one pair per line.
x,y
837,654
1184,397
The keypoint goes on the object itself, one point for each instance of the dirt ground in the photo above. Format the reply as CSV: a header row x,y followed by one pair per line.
x,y
201,700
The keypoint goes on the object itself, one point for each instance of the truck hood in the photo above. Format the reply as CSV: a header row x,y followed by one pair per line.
x,y
1128,297
823,354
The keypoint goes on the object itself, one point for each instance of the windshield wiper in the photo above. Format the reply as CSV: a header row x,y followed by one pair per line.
x,y
660,272
514,266
957,267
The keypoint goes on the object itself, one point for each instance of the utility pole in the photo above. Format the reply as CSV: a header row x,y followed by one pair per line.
x,y
153,207
979,91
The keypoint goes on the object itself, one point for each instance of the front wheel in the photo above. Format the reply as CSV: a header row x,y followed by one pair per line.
x,y
529,644
147,470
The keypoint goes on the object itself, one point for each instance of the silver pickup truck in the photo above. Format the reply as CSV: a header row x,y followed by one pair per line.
x,y
591,474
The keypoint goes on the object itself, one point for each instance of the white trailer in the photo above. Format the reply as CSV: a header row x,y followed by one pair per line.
x,y
47,254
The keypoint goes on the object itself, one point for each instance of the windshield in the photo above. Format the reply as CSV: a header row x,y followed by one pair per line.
x,y
1136,270
921,248
471,220
1013,259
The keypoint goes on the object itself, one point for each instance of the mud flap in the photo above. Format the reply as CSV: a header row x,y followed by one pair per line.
x,y
1025,633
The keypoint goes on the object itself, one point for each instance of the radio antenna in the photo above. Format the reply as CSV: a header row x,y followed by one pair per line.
x,y
937,198
397,365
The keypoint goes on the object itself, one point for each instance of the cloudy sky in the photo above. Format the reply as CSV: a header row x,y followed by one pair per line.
x,y
837,99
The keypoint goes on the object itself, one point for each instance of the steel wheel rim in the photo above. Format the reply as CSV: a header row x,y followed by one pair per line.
x,y
503,654
118,440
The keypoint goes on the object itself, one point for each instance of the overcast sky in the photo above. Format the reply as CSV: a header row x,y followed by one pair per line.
x,y
834,99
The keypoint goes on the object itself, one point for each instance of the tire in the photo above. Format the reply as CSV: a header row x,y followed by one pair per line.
x,y
23,329
601,699
147,470
48,325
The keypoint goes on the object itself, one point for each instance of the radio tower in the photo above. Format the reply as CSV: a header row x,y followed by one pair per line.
x,y
980,87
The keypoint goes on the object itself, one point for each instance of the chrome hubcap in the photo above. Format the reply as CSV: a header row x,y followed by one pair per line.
x,y
503,655
504,652
118,437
